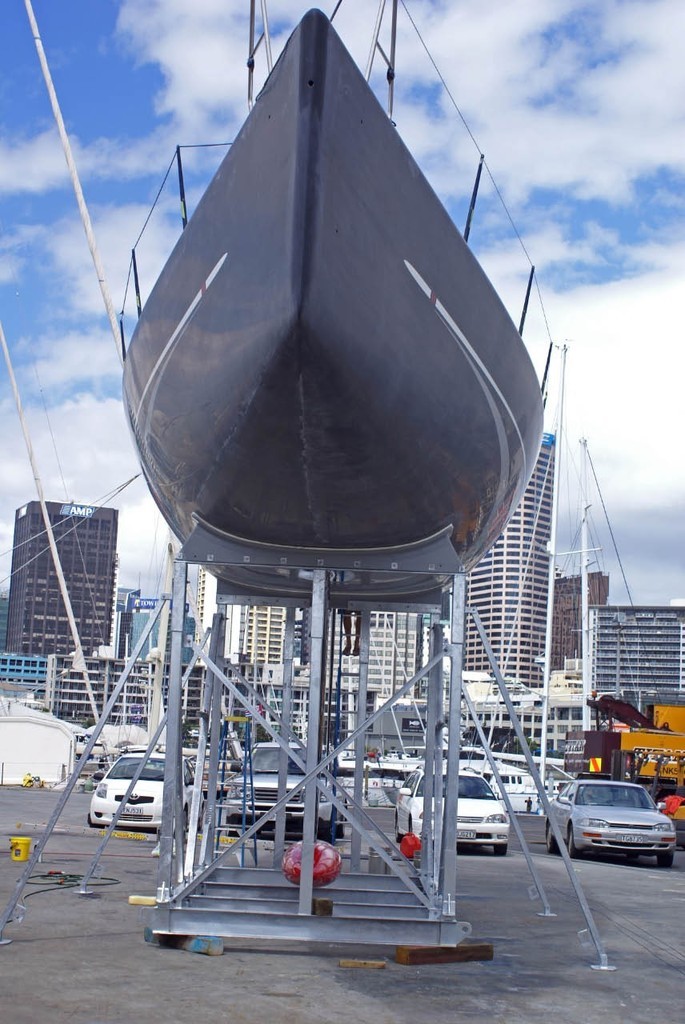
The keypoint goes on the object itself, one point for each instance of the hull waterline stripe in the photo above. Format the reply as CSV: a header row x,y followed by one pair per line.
x,y
463,341
204,287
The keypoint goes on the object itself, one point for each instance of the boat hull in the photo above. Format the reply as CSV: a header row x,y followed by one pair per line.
x,y
322,363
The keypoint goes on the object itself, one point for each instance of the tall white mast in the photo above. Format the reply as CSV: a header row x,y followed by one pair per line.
x,y
158,654
78,661
552,572
585,611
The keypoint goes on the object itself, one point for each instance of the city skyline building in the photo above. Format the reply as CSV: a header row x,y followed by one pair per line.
x,y
567,619
509,586
394,650
86,541
206,604
66,697
4,612
262,634
638,652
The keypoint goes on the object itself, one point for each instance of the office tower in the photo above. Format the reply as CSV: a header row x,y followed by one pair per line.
x,y
4,609
509,585
123,621
86,539
567,620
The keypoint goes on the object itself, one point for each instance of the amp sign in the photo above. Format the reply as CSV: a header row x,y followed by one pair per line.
x,y
80,511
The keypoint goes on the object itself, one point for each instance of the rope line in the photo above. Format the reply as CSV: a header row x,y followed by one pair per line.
x,y
485,162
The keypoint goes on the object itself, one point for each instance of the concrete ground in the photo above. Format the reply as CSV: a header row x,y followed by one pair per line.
x,y
84,960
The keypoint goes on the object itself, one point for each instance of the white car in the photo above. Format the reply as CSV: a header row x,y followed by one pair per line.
x,y
143,810
481,818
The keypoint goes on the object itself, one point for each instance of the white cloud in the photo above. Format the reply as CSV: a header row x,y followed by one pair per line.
x,y
32,164
570,102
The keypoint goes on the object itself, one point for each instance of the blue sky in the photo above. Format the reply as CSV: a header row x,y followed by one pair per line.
x,y
578,109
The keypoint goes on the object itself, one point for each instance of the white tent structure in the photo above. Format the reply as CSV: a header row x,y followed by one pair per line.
x,y
34,742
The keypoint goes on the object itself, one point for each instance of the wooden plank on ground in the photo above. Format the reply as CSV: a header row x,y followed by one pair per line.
x,y
463,953
369,965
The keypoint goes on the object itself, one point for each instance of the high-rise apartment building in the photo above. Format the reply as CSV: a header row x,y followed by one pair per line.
x,y
638,652
509,585
86,539
263,634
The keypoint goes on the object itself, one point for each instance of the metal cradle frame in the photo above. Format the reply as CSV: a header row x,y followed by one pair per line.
x,y
201,892
201,889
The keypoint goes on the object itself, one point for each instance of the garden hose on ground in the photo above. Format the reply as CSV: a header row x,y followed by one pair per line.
x,y
52,880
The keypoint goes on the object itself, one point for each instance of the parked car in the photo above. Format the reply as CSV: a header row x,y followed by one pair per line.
x,y
481,818
611,817
143,810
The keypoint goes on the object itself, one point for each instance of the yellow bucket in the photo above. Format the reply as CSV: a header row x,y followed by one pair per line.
x,y
20,847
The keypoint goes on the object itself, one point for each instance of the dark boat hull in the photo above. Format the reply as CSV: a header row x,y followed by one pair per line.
x,y
322,363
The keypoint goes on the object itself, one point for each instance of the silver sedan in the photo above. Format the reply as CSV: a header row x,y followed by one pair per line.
x,y
611,817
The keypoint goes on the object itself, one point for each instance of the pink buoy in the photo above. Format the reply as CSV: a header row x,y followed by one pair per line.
x,y
327,863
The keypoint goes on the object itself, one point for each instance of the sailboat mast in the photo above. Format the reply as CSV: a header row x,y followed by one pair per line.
x,y
79,661
552,573
585,610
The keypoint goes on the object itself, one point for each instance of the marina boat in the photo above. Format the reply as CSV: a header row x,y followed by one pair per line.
x,y
516,779
382,775
518,783
373,788
322,366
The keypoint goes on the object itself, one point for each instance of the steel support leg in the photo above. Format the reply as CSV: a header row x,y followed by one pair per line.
x,y
316,683
360,742
455,649
170,873
286,716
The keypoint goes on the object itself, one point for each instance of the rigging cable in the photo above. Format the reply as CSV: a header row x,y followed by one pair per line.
x,y
50,430
204,145
611,532
485,164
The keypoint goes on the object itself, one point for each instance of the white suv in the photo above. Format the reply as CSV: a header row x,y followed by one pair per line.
x,y
250,799
481,818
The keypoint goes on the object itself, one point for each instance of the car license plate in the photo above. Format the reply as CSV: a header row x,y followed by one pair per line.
x,y
630,838
128,809
463,833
